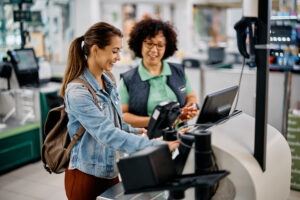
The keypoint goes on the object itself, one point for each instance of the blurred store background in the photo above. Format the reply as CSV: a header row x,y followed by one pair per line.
x,y
207,46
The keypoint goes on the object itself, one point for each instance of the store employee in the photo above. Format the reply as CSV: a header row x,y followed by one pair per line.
x,y
154,80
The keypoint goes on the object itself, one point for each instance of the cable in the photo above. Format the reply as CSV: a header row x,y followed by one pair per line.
x,y
240,80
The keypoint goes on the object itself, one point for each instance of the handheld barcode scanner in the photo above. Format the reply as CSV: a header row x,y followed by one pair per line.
x,y
247,26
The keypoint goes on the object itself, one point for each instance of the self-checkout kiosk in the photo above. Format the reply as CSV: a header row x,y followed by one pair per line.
x,y
21,70
25,99
254,157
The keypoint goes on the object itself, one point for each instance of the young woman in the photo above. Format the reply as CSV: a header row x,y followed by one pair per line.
x,y
92,168
154,80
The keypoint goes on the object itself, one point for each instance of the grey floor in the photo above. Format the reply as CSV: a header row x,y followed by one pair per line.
x,y
32,182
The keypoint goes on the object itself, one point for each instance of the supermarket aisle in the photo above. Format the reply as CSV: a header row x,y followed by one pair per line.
x,y
32,182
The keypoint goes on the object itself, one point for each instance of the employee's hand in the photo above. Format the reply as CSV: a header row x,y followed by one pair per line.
x,y
192,113
189,111
143,131
173,144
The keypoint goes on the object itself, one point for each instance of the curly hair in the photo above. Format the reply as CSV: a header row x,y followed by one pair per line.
x,y
148,28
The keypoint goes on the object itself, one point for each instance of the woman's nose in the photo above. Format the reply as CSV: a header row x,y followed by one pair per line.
x,y
154,48
118,57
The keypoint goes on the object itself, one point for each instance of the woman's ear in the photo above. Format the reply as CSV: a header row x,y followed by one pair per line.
x,y
94,50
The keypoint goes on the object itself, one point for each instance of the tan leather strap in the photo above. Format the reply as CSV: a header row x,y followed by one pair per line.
x,y
76,137
81,130
111,76
89,87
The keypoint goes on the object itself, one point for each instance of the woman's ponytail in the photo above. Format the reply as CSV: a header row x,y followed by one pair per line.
x,y
75,64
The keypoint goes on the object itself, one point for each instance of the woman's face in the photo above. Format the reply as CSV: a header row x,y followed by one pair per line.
x,y
107,57
153,49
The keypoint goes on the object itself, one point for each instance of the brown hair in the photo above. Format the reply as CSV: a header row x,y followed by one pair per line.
x,y
99,34
148,28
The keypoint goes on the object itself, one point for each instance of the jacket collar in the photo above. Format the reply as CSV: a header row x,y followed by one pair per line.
x,y
88,76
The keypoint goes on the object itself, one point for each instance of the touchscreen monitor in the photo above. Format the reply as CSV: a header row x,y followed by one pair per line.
x,y
26,59
217,105
26,66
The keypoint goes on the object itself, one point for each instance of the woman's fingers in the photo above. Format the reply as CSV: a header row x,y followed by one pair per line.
x,y
173,144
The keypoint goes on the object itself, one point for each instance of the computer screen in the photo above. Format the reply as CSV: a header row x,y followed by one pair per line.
x,y
217,105
26,66
27,59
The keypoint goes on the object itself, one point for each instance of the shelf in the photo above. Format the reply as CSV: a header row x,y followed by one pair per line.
x,y
275,67
285,18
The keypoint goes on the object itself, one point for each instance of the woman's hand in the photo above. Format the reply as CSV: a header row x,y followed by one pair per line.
x,y
173,144
182,131
143,131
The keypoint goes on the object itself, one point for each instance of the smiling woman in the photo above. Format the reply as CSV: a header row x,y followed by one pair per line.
x,y
154,80
104,59
92,167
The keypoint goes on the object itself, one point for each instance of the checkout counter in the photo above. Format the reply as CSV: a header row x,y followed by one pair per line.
x,y
233,145
24,103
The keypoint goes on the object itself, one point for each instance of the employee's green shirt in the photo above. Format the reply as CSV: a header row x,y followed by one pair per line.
x,y
159,90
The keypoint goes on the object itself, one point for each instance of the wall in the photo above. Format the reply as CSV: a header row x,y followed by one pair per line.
x,y
218,79
85,14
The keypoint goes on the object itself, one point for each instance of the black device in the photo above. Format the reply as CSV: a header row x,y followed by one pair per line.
x,y
149,167
162,118
5,72
26,66
217,105
191,63
215,55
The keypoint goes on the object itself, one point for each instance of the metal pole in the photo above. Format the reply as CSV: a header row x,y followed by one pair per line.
x,y
202,86
23,39
286,100
262,79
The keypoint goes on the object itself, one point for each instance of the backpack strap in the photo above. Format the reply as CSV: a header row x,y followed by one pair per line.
x,y
89,87
76,137
81,130
111,76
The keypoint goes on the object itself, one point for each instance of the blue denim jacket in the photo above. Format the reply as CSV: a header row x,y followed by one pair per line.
x,y
95,152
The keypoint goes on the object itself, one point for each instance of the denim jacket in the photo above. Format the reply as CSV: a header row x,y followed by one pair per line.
x,y
95,152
